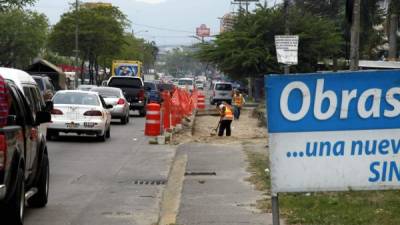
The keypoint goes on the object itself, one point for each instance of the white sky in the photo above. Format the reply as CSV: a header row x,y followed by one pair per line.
x,y
177,19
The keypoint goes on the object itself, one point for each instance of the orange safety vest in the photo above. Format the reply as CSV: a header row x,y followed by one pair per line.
x,y
238,100
228,115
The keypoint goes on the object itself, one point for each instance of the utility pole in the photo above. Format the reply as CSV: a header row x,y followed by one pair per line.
x,y
355,37
76,43
287,30
393,18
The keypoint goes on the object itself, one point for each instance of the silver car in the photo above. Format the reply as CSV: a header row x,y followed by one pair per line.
x,y
115,97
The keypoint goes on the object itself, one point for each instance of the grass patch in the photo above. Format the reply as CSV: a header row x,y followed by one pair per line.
x,y
338,208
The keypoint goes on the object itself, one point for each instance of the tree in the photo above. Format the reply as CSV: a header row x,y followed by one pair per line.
x,y
249,50
22,36
9,4
101,35
393,18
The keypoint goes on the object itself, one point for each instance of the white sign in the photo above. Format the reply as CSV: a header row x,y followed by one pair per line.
x,y
334,131
287,49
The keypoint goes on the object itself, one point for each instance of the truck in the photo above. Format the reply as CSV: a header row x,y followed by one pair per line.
x,y
24,162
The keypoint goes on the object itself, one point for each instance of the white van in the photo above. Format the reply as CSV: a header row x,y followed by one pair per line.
x,y
186,83
222,92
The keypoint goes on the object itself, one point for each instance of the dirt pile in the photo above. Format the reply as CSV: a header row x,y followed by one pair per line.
x,y
246,128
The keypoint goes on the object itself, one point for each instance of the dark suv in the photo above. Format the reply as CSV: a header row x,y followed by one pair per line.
x,y
133,89
24,162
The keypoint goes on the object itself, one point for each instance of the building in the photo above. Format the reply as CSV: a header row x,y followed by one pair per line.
x,y
92,5
227,22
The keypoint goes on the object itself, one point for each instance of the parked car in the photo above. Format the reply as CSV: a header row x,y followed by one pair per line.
x,y
200,84
80,112
222,91
45,84
86,87
24,162
166,87
186,83
152,91
133,89
115,97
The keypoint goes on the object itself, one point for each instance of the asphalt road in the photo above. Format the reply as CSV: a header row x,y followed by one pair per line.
x,y
94,183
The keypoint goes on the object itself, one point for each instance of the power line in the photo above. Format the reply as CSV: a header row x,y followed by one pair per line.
x,y
163,28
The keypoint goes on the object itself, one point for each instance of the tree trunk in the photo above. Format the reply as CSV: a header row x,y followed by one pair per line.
x,y
82,72
355,37
393,27
250,87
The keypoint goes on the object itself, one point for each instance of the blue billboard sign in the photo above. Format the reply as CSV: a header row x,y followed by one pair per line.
x,y
334,131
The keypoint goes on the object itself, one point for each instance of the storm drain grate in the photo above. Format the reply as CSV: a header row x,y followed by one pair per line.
x,y
149,182
200,174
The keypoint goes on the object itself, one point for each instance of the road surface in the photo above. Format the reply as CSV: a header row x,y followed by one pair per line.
x,y
94,183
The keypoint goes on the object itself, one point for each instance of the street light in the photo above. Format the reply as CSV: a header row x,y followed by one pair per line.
x,y
141,31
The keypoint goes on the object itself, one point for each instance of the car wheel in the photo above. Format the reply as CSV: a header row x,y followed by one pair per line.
x,y
41,197
142,112
108,132
51,135
123,120
13,211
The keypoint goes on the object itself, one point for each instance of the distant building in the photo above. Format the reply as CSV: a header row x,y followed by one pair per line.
x,y
227,22
92,5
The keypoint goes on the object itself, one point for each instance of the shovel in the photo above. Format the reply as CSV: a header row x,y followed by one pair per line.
x,y
214,131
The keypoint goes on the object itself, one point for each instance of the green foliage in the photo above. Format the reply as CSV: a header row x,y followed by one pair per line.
x,y
249,50
22,37
180,62
100,32
10,4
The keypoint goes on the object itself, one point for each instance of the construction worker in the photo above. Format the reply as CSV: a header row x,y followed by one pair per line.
x,y
226,113
238,102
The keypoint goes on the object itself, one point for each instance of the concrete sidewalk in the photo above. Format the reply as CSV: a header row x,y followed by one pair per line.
x,y
224,198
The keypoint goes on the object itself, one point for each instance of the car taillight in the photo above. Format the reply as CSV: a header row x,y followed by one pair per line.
x,y
3,152
121,101
93,113
141,95
56,112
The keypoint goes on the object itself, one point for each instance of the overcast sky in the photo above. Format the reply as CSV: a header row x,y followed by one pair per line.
x,y
164,21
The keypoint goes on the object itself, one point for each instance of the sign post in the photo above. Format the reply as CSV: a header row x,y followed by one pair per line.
x,y
344,132
287,50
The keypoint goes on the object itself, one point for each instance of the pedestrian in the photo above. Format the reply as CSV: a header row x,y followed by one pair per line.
x,y
226,113
238,102
5,102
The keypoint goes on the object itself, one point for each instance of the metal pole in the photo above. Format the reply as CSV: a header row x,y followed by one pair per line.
x,y
287,30
355,37
76,43
275,209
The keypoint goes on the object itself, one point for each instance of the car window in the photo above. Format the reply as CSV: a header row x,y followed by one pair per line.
x,y
125,82
223,87
25,115
39,82
150,85
31,100
185,82
49,86
76,98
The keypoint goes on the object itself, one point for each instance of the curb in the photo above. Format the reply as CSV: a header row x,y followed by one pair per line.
x,y
171,198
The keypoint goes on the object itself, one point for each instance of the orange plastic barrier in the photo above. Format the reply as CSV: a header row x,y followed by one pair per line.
x,y
153,118
166,107
201,101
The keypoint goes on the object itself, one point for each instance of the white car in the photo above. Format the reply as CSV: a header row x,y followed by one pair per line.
x,y
186,83
115,97
199,84
80,112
